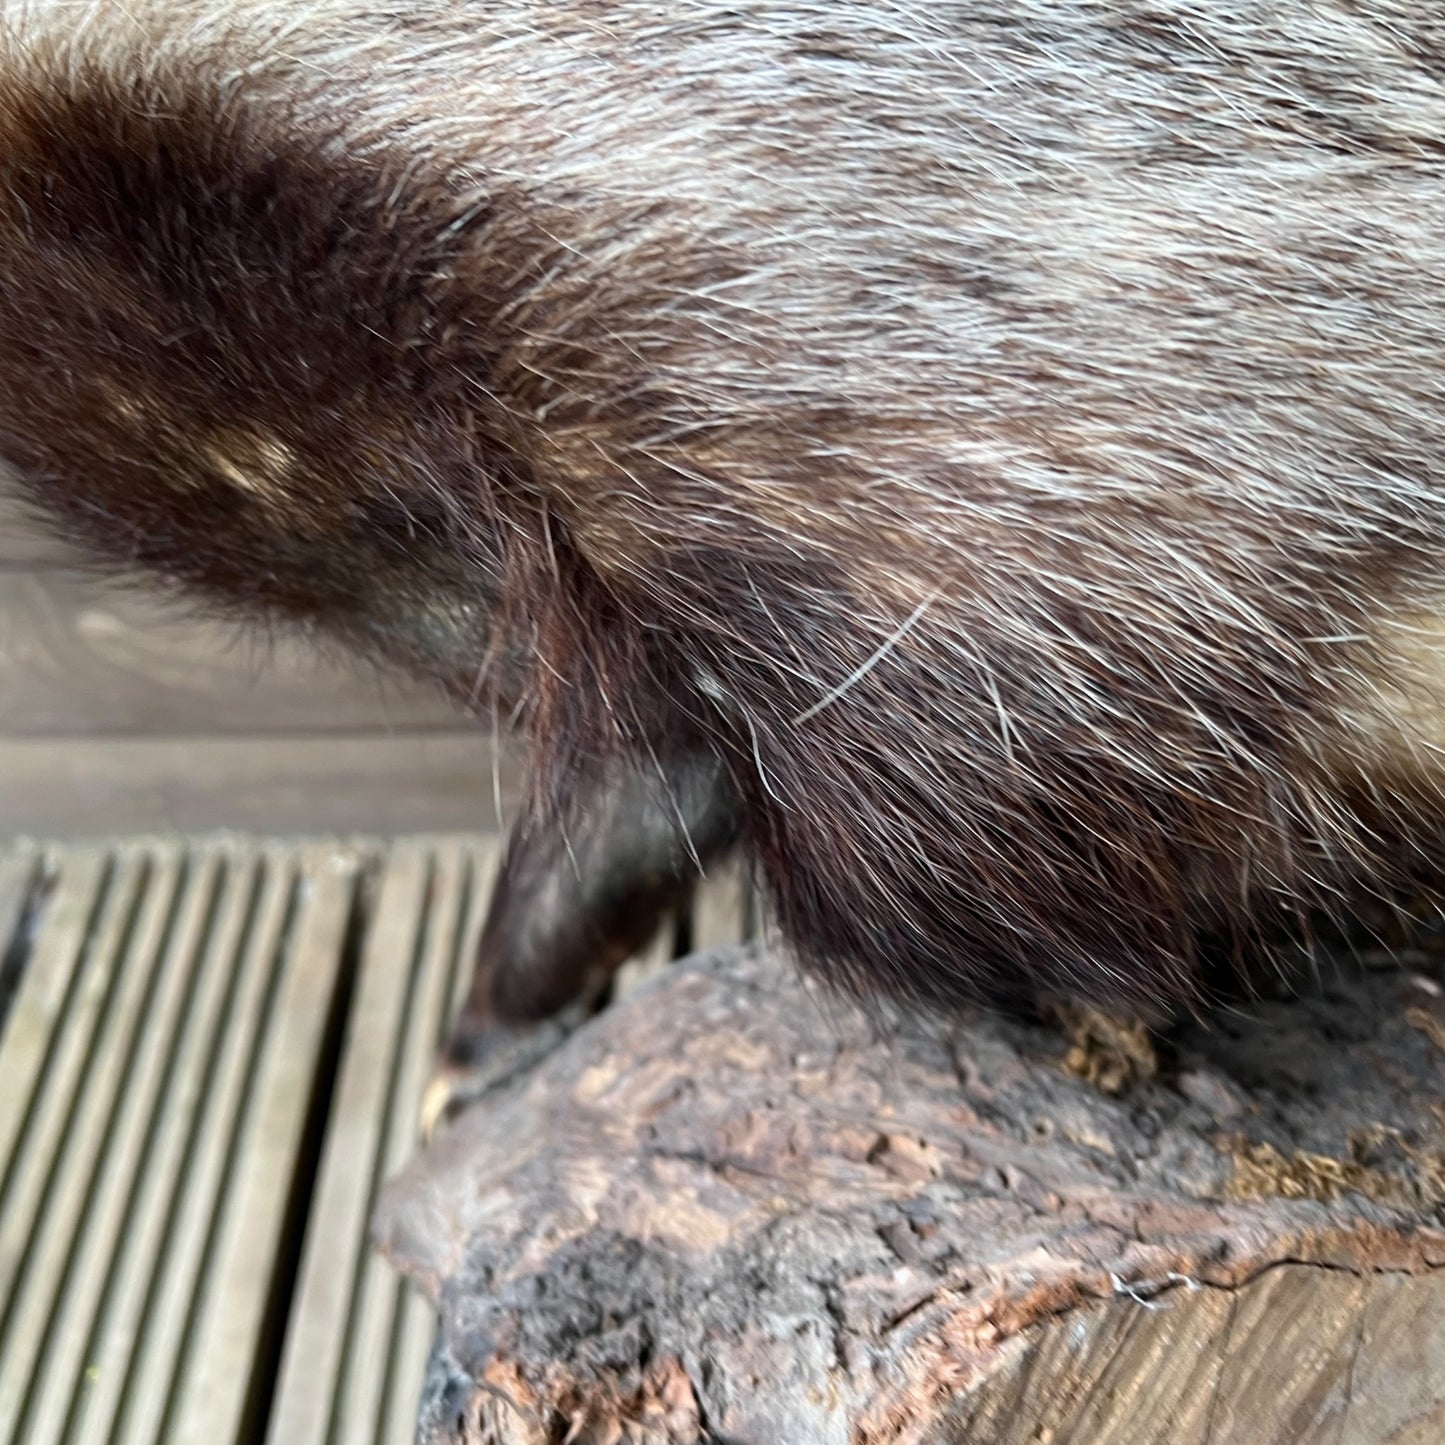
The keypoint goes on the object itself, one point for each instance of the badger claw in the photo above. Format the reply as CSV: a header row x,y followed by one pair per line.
x,y
483,1056
439,1104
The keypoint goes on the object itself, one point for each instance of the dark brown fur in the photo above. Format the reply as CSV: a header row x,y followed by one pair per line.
x,y
1008,444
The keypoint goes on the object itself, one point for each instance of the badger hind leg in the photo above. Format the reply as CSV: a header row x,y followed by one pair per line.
x,y
574,900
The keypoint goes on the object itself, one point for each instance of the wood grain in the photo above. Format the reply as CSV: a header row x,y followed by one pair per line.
x,y
87,1318
72,788
1397,1378
727,1208
232,896
55,1095
166,1070
79,658
62,1243
1297,1356
214,1365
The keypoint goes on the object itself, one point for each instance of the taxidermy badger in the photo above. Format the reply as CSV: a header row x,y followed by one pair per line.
x,y
986,458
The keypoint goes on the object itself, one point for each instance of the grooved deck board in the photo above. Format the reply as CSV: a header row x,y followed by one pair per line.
x,y
49,1249
79,1361
165,1046
212,1053
349,1308
226,1315
19,886
168,1188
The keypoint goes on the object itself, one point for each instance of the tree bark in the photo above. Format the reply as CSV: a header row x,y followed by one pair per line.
x,y
731,1208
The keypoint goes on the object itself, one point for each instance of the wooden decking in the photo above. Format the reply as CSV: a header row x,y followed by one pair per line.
x,y
119,714
212,1055
212,1046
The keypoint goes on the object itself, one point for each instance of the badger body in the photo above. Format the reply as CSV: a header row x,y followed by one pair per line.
x,y
1007,439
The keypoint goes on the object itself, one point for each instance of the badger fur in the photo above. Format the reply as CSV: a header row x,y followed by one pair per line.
x,y
1006,438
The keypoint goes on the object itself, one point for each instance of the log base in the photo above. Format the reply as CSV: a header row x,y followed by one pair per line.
x,y
731,1208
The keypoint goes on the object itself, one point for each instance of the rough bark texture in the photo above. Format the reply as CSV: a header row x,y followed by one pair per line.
x,y
731,1209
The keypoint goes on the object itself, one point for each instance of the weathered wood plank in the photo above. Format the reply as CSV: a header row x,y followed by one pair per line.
x,y
361,1397
722,907
488,852
416,1330
78,659
54,1063
718,914
323,1316
59,1236
214,1370
413,1318
74,1353
313,785
356,1343
417,1325
60,951
465,878
168,1203
175,1298
180,996
21,887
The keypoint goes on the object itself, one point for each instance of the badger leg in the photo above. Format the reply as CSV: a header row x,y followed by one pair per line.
x,y
571,904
